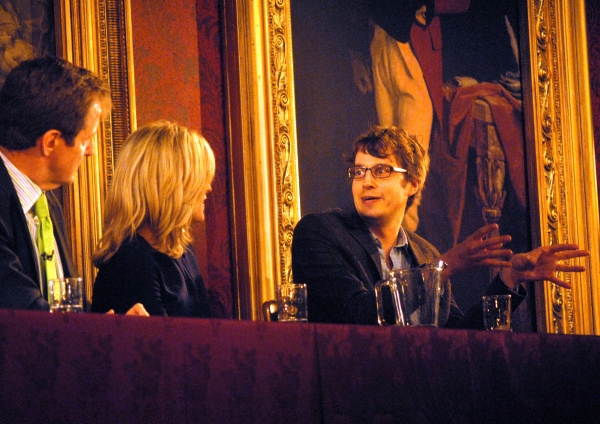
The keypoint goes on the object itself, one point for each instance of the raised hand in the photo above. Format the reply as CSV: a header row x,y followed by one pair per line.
x,y
481,248
543,263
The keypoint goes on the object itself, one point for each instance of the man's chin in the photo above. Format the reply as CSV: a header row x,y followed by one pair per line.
x,y
66,182
53,185
369,216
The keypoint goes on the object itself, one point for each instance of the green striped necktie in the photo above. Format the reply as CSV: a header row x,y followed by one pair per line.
x,y
45,239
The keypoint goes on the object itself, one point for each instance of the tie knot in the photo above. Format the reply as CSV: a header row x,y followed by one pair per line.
x,y
41,207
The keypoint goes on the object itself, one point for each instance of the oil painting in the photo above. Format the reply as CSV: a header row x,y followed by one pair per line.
x,y
26,32
450,75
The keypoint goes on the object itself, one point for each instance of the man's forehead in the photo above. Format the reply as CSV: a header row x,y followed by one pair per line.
x,y
95,111
365,157
94,115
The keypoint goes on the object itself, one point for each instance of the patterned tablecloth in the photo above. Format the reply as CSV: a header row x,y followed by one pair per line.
x,y
86,368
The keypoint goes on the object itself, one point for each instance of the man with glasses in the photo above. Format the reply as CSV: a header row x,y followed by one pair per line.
x,y
342,255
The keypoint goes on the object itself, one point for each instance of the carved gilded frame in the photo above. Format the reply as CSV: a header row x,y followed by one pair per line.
x,y
96,34
561,158
560,151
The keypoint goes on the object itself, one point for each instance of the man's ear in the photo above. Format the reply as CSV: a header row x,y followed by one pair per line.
x,y
48,141
414,187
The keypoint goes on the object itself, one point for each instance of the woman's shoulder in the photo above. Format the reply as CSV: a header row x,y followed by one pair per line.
x,y
132,251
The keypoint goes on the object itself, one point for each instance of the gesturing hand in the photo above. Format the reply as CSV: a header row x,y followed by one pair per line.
x,y
542,263
478,250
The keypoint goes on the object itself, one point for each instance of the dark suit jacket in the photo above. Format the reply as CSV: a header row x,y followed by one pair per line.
x,y
19,281
336,256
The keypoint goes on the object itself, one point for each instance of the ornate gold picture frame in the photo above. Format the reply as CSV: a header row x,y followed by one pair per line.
x,y
95,34
263,154
559,149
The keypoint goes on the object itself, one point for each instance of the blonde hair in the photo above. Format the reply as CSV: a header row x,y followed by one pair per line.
x,y
162,174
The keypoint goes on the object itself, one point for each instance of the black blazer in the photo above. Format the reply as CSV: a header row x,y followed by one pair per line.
x,y
336,256
19,281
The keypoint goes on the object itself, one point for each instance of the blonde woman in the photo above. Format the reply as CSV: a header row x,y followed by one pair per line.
x,y
163,174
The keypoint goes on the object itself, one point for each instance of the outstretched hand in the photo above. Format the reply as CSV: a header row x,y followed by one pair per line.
x,y
481,248
542,263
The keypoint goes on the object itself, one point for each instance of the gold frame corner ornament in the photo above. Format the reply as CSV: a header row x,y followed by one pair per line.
x,y
96,34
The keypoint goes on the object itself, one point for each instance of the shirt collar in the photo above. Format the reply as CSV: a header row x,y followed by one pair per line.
x,y
26,189
401,240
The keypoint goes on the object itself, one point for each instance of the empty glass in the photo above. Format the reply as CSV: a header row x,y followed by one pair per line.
x,y
66,295
291,303
496,312
415,295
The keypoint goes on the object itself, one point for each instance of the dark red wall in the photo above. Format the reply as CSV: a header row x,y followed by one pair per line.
x,y
177,56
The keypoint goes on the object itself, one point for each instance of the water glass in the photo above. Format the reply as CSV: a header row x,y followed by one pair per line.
x,y
66,295
291,303
496,312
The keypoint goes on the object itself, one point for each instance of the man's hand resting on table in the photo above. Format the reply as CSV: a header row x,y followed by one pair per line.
x,y
137,309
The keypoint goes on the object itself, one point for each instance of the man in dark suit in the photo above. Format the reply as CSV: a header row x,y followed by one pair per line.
x,y
341,256
49,114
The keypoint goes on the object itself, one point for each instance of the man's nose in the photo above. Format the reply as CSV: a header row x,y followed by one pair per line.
x,y
368,180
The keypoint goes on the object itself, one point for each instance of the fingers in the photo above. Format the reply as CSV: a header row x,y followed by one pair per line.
x,y
572,254
484,239
138,310
497,253
488,230
566,251
554,248
560,282
141,311
483,231
497,263
570,268
495,242
479,254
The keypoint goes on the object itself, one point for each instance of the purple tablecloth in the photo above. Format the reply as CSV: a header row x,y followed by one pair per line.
x,y
98,368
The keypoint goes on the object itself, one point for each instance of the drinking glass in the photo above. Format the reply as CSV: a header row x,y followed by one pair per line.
x,y
66,295
291,303
496,312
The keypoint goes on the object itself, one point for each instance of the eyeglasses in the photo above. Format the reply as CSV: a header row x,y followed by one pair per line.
x,y
378,171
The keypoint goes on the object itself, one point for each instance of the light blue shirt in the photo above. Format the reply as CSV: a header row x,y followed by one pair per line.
x,y
398,255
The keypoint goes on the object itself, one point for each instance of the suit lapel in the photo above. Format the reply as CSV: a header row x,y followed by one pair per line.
x,y
15,221
61,240
360,232
415,250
